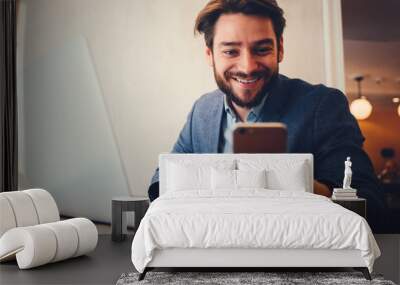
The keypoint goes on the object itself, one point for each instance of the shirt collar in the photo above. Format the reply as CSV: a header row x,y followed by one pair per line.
x,y
255,111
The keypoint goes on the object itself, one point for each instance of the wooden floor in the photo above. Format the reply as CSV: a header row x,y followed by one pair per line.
x,y
102,266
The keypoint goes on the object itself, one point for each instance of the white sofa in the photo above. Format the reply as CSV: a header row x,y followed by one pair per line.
x,y
188,187
31,231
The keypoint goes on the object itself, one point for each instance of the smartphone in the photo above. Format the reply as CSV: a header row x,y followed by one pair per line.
x,y
260,138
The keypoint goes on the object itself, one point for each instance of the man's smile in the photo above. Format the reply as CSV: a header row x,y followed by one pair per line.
x,y
248,83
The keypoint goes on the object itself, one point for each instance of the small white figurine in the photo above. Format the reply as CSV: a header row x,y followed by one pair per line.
x,y
347,174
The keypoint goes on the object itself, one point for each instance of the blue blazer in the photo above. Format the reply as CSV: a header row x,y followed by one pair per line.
x,y
318,121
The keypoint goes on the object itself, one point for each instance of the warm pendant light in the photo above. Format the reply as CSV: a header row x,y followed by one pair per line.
x,y
398,110
361,108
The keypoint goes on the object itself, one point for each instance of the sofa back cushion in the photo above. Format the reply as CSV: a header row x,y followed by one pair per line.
x,y
26,208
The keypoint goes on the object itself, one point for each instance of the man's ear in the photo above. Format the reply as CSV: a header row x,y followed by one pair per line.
x,y
209,56
281,51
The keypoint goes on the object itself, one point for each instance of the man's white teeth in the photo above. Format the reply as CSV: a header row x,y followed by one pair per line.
x,y
246,81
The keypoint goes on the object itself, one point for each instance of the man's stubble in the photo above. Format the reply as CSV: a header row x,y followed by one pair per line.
x,y
269,80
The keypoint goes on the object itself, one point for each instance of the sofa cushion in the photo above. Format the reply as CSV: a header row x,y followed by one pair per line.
x,y
6,215
45,205
23,208
45,243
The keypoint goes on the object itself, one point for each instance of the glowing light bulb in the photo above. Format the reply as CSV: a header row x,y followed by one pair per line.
x,y
361,108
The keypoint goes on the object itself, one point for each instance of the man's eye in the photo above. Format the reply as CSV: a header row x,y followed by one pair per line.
x,y
230,52
263,51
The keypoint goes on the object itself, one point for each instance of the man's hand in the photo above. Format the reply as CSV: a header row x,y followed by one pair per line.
x,y
321,189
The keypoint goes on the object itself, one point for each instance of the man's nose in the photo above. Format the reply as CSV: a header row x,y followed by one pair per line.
x,y
247,63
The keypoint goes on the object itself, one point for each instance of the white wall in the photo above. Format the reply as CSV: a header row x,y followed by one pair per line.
x,y
143,62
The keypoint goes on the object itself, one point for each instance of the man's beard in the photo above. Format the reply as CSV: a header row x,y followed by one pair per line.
x,y
267,75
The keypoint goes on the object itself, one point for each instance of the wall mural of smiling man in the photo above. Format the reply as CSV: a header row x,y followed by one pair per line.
x,y
245,59
244,46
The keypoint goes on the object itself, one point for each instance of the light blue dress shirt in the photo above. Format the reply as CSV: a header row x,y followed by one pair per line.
x,y
229,120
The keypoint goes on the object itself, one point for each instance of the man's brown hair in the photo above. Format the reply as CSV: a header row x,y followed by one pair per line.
x,y
210,14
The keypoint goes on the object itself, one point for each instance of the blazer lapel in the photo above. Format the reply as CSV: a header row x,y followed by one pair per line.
x,y
275,103
207,124
216,113
214,124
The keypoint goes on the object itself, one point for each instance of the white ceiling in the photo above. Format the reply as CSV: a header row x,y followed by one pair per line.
x,y
371,31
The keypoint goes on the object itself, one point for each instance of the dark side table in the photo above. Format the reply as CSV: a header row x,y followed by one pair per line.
x,y
357,205
120,205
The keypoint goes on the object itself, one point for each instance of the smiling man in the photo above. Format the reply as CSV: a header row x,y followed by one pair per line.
x,y
244,46
245,59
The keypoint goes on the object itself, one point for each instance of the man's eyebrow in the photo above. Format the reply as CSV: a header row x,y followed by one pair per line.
x,y
229,44
267,41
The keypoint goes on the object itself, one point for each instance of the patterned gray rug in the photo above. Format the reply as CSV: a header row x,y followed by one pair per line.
x,y
269,278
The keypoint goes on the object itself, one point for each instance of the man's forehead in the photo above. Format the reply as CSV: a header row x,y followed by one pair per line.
x,y
243,29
